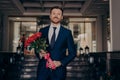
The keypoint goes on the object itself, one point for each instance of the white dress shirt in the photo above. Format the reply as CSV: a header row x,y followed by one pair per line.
x,y
51,30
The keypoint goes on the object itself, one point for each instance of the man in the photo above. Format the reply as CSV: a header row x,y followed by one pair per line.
x,y
57,49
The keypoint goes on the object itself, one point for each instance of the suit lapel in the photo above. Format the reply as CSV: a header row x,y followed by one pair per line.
x,y
46,34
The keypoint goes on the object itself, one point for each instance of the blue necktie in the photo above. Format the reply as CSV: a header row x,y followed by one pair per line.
x,y
53,38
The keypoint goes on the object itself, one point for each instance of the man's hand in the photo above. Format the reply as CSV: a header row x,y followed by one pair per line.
x,y
26,51
57,63
42,53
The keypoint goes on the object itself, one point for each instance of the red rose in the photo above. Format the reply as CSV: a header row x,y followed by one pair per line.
x,y
38,34
32,38
26,44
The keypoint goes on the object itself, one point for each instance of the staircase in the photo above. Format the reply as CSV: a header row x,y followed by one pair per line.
x,y
76,70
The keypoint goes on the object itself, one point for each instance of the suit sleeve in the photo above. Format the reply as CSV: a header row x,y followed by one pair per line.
x,y
71,50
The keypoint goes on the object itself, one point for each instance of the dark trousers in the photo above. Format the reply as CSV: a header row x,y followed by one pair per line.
x,y
47,74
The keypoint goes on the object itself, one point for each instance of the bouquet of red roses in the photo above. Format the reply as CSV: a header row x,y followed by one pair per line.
x,y
35,41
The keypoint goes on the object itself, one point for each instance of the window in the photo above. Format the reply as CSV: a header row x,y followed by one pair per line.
x,y
83,32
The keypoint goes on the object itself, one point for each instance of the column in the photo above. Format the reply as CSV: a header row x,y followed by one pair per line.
x,y
5,36
115,24
99,33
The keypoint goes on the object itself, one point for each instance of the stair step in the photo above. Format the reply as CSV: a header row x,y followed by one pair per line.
x,y
30,64
29,69
29,73
79,78
30,59
79,75
77,69
28,76
32,78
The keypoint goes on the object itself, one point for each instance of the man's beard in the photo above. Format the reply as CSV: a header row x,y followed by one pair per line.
x,y
55,22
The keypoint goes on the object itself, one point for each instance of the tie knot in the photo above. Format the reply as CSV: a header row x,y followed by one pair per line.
x,y
54,28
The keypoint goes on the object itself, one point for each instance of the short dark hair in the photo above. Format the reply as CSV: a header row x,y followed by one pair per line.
x,y
56,7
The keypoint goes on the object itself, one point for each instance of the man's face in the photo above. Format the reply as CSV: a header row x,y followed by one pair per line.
x,y
56,16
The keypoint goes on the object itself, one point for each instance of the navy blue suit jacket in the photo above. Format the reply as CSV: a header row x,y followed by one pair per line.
x,y
64,42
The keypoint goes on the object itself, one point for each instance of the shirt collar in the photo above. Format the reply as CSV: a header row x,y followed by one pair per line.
x,y
57,27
